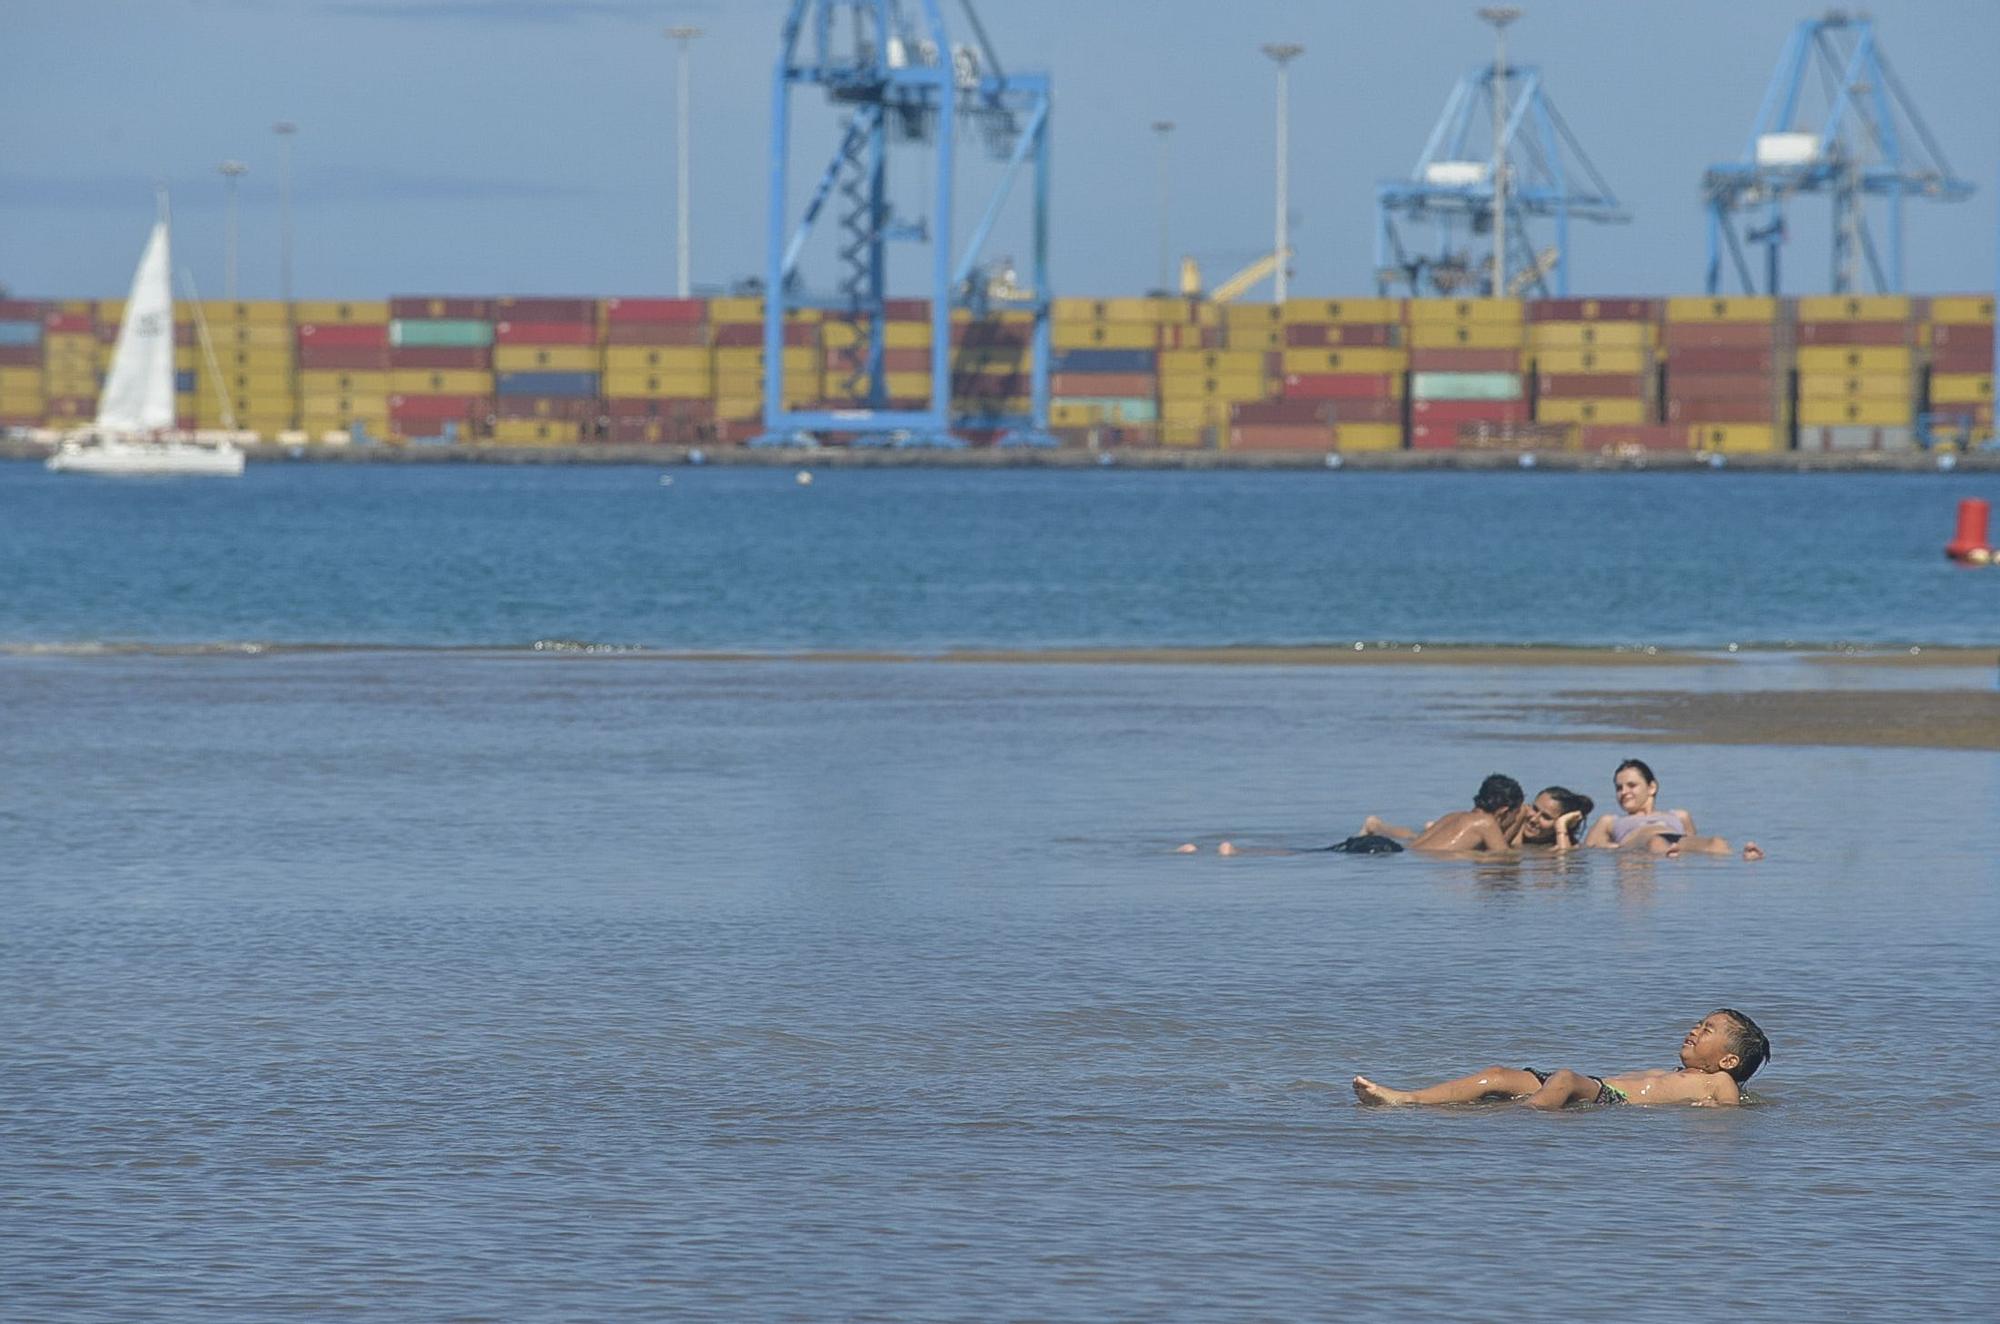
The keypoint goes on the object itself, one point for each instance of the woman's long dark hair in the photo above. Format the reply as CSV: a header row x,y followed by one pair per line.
x,y
1572,802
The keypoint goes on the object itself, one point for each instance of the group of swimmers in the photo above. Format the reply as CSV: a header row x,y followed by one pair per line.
x,y
1501,818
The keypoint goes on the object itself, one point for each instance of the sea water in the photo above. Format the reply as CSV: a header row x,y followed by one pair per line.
x,y
432,983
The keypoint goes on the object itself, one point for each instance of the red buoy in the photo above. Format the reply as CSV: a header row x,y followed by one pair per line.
x,y
1971,543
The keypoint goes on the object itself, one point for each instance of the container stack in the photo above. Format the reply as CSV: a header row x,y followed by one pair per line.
x,y
1727,373
254,375
1215,372
22,402
1466,387
1595,367
440,366
992,360
546,371
1342,371
1104,365
1857,373
1958,328
736,330
659,371
343,351
73,359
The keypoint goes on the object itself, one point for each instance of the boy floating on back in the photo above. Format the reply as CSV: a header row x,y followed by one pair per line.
x,y
1722,1051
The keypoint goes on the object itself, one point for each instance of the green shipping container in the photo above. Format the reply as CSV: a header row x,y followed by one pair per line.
x,y
1120,408
440,333
1465,386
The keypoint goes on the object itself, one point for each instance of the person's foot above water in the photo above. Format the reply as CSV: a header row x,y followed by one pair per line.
x,y
1367,1091
1226,848
1187,848
1752,851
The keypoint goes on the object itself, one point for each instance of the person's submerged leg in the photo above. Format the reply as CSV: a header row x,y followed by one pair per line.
x,y
1492,1083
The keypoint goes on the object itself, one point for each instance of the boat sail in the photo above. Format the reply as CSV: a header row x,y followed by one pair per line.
x,y
134,430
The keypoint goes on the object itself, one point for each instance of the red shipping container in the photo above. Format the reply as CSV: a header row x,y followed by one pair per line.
x,y
750,335
544,333
986,384
1587,385
1127,384
1465,360
1676,336
567,409
1316,335
1633,436
671,411
1976,335
906,310
656,333
1468,411
1857,333
22,310
1593,310
69,324
655,310
439,305
473,358
529,308
1962,358
344,335
438,408
1340,386
18,420
346,358
1433,436
1281,437
1733,361
1685,411
1704,386
1287,412
185,336
20,356
735,433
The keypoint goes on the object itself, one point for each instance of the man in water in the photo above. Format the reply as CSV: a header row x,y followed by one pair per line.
x,y
1721,1052
1488,825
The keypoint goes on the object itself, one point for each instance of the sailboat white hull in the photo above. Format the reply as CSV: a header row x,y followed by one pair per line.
x,y
115,456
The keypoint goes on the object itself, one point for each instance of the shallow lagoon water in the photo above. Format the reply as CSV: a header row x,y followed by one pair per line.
x,y
416,984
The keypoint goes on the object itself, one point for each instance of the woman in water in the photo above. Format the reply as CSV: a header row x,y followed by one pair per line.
x,y
1553,818
1642,825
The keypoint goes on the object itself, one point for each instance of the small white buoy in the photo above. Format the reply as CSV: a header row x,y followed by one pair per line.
x,y
1947,462
804,478
1715,460
666,480
697,456
1334,461
1527,461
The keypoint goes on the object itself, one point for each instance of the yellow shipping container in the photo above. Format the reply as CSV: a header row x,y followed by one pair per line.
x,y
904,335
1104,335
1364,360
739,408
327,382
425,381
1257,337
1847,359
1334,311
258,312
1705,308
1465,335
1253,315
250,336
735,360
643,358
252,383
359,312
1149,311
536,432
1184,434
546,358
1855,308
1425,312
1590,335
1368,436
906,385
1200,362
1735,438
1221,386
20,379
1593,409
271,360
667,385
736,310
1841,386
1623,362
345,402
1866,413
1962,309
1961,388
1194,411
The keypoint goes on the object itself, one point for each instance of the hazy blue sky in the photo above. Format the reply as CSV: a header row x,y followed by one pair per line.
x,y
526,146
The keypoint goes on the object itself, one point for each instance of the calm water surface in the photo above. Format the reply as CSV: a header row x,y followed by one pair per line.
x,y
434,985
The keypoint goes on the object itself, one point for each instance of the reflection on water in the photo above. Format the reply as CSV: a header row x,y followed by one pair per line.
x,y
407,986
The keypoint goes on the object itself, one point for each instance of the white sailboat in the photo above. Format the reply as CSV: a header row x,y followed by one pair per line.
x,y
134,432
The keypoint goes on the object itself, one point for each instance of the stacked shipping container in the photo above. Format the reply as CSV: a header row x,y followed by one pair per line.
x,y
1958,334
547,371
1856,363
1728,373
344,372
440,365
1466,385
1105,384
659,371
22,402
1341,371
1595,368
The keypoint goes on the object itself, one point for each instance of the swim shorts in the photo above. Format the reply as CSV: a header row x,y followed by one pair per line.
x,y
1606,1094
1368,843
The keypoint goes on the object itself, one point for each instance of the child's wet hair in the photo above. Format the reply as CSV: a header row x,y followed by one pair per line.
x,y
1747,1041
1498,792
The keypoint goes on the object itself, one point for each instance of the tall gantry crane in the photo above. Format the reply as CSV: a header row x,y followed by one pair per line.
x,y
892,71
1835,120
1532,169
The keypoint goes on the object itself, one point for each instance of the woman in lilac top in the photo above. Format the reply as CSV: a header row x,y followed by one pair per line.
x,y
1641,824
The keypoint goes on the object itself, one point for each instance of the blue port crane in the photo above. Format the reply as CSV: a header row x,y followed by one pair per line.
x,y
1835,120
895,77
1544,175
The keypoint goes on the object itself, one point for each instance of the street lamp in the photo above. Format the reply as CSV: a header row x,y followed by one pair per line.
x,y
231,172
1499,16
286,131
1163,128
1284,53
685,36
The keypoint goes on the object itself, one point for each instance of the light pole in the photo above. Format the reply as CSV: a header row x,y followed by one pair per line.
x,y
286,131
1163,128
685,36
1284,53
231,172
1499,16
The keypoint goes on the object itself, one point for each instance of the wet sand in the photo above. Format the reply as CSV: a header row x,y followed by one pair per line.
x,y
1911,719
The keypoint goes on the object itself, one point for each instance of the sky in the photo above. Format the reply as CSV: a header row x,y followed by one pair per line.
x,y
527,146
